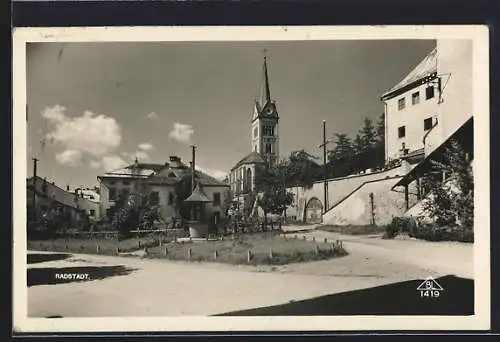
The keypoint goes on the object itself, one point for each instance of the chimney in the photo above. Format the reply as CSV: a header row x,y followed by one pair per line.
x,y
175,159
67,187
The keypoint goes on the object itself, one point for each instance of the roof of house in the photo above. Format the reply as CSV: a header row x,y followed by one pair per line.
x,y
424,69
50,190
252,158
171,176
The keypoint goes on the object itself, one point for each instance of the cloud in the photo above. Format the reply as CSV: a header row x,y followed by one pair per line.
x,y
152,116
217,174
182,133
95,164
110,163
90,133
71,158
145,146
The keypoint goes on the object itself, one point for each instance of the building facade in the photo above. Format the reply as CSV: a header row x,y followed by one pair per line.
x,y
158,182
412,111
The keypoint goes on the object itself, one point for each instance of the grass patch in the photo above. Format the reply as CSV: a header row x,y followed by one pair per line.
x,y
89,246
353,230
264,249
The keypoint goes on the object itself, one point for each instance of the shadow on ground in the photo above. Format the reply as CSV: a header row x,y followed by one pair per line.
x,y
456,298
36,258
52,276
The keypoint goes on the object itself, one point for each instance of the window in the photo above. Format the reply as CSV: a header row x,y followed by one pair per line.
x,y
125,193
92,212
216,199
427,124
112,194
268,148
401,103
170,198
268,130
429,92
255,132
415,98
154,198
401,132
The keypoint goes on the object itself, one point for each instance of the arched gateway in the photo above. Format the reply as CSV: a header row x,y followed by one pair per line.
x,y
314,208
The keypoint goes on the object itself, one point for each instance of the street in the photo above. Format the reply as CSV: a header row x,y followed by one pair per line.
x,y
122,286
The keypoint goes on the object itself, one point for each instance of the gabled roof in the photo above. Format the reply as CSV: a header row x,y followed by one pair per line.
x,y
169,176
52,191
424,69
252,158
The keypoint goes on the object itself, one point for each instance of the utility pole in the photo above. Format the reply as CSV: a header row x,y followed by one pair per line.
x,y
325,170
35,161
193,166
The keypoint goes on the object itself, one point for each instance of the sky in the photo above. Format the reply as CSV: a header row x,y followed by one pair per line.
x,y
94,107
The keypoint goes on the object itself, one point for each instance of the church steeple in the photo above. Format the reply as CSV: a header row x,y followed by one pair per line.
x,y
264,129
265,96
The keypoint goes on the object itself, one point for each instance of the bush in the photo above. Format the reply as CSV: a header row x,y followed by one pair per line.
x,y
397,225
432,233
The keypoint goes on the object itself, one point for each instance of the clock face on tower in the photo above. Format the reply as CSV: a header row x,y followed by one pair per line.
x,y
268,111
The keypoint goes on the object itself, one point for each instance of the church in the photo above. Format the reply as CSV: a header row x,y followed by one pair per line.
x,y
264,143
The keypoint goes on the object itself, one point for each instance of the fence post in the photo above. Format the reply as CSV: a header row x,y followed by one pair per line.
x,y
326,240
249,255
332,247
316,249
165,251
215,254
97,249
270,253
117,250
189,253
139,243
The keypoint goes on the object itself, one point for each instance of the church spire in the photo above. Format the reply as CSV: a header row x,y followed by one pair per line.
x,y
266,93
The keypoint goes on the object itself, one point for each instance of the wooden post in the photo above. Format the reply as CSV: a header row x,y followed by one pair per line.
x,y
139,243
249,256
316,249
165,251
215,254
271,253
117,250
189,253
97,249
326,240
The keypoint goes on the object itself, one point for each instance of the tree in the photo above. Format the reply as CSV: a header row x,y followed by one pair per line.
x,y
358,148
452,203
182,190
379,153
301,169
341,158
271,182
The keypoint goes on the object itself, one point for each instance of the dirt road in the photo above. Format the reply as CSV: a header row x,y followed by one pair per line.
x,y
123,286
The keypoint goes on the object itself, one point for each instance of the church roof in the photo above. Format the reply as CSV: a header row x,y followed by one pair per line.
x,y
425,68
252,158
172,176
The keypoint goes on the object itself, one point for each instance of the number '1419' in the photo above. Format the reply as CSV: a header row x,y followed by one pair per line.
x,y
429,293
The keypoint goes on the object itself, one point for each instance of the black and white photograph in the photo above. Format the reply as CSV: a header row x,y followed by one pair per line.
x,y
285,178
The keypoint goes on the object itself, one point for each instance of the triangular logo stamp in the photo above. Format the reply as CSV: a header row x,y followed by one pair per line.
x,y
429,284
